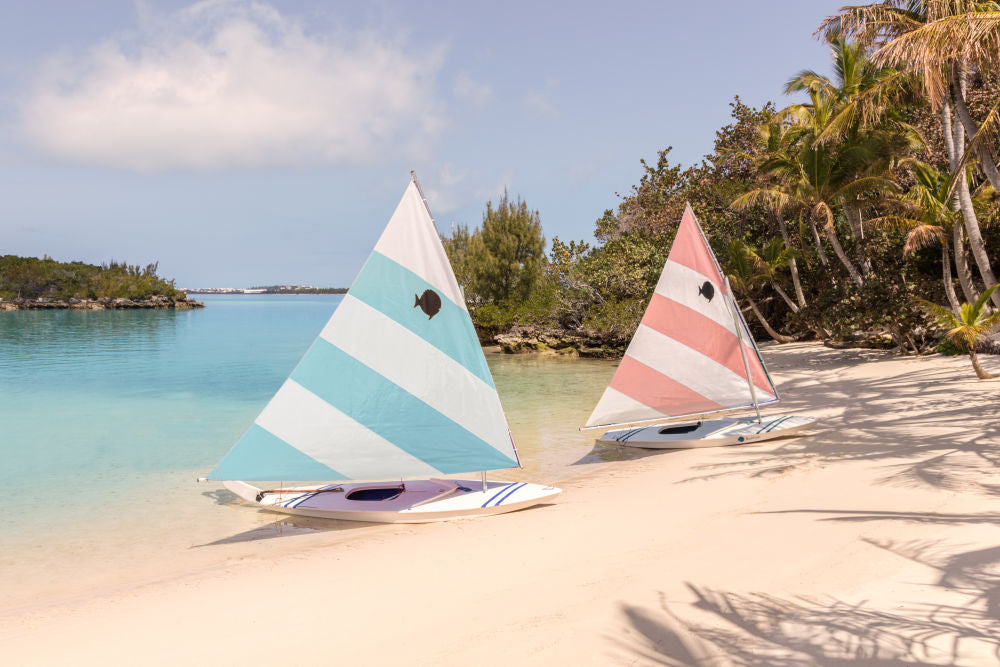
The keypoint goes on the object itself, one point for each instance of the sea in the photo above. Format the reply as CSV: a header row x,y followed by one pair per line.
x,y
107,419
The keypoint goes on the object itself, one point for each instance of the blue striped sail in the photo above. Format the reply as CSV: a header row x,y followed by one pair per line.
x,y
396,384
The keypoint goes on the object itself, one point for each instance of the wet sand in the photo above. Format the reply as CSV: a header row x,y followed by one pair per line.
x,y
873,540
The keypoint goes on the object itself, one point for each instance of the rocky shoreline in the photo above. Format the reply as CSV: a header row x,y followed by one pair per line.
x,y
522,339
42,303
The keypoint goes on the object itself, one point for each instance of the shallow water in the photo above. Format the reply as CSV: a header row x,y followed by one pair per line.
x,y
107,418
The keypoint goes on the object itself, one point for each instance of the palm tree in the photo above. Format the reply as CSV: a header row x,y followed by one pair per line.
x,y
836,150
772,138
813,180
773,258
928,220
956,35
862,101
968,327
744,272
939,40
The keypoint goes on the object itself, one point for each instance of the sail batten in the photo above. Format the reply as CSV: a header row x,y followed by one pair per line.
x,y
686,357
395,386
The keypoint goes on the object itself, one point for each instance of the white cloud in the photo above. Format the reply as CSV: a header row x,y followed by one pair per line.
x,y
446,195
468,89
452,188
539,104
231,83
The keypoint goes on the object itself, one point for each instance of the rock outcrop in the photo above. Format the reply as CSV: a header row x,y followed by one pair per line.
x,y
557,341
42,303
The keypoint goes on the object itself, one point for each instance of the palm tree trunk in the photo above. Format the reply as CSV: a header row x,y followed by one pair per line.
x,y
962,264
767,327
783,295
854,219
958,232
793,268
986,161
980,372
838,250
969,218
819,243
949,286
976,243
949,139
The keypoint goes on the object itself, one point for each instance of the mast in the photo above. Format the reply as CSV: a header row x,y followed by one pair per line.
x,y
731,302
461,289
413,177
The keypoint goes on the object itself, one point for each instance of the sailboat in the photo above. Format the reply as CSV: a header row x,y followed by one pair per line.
x,y
396,387
691,358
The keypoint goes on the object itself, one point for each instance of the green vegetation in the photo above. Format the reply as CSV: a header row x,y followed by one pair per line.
x,y
835,216
499,265
967,327
32,278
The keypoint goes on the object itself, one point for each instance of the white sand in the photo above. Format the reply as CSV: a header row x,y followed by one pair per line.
x,y
876,540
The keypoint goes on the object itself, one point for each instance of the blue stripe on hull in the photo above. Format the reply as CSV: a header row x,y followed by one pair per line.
x,y
393,413
260,450
510,493
390,288
502,489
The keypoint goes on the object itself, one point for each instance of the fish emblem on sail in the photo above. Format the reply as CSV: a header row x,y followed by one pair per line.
x,y
429,302
707,290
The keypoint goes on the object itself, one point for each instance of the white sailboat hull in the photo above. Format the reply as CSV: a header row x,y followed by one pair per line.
x,y
417,501
708,433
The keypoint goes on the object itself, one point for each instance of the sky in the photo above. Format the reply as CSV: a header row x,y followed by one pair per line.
x,y
253,143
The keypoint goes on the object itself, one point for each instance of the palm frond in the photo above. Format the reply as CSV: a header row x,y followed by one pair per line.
x,y
807,79
922,236
943,316
773,199
981,302
991,322
865,185
974,35
741,265
896,223
870,23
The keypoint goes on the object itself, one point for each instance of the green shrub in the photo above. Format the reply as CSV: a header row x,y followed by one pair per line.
x,y
949,349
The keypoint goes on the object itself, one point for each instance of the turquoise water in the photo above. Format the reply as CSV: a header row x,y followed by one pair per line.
x,y
105,415
102,402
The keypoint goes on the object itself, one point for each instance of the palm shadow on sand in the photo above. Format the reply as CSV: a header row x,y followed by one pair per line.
x,y
935,436
759,629
941,437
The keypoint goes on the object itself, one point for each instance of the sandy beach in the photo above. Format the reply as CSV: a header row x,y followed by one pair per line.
x,y
875,539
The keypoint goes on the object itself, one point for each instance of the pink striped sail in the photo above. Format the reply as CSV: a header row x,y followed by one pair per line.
x,y
685,356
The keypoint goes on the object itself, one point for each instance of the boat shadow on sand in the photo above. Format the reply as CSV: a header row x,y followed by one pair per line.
x,y
605,453
929,426
602,453
290,525
285,526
